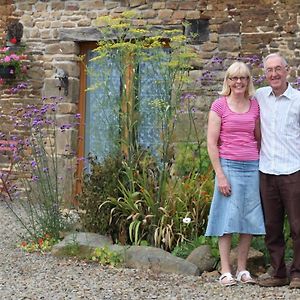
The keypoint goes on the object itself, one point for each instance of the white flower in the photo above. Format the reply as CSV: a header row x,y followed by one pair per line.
x,y
186,220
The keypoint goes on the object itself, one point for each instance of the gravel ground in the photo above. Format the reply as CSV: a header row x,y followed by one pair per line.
x,y
37,276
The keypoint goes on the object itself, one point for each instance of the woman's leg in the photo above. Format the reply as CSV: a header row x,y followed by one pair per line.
x,y
243,250
224,249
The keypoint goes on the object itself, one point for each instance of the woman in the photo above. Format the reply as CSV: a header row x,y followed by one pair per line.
x,y
233,146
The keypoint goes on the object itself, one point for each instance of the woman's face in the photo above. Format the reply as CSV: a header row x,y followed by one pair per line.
x,y
238,83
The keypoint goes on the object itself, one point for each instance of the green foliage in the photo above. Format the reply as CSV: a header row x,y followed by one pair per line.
x,y
185,248
136,205
72,249
106,257
259,244
15,61
160,221
167,57
99,184
288,240
36,160
151,204
190,157
43,197
43,244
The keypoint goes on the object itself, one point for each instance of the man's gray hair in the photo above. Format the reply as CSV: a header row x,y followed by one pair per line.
x,y
284,62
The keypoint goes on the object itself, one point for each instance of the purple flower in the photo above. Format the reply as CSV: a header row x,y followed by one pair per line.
x,y
33,164
65,126
22,85
34,178
217,60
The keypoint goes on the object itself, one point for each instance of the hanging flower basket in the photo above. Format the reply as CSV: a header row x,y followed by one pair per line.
x,y
13,64
7,72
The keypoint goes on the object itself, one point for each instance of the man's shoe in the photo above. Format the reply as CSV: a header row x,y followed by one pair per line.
x,y
295,283
274,281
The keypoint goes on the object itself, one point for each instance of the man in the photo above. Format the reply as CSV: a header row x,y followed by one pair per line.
x,y
280,168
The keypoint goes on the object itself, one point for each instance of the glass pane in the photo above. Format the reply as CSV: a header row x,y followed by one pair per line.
x,y
153,89
102,107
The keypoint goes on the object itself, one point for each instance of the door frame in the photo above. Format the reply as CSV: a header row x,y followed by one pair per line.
x,y
84,48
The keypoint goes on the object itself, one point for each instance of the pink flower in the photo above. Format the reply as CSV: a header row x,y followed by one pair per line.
x,y
13,56
6,59
4,49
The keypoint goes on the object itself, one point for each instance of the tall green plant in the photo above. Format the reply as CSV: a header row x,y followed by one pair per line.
x,y
99,183
36,162
162,224
151,204
166,56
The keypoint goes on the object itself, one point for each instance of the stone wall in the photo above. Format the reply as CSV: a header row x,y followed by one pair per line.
x,y
53,31
6,10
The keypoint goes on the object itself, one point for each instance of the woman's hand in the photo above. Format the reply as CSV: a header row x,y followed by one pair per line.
x,y
224,186
213,136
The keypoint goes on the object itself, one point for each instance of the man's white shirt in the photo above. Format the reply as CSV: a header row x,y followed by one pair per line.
x,y
280,129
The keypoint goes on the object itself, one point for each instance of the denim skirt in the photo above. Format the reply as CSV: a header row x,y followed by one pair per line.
x,y
241,212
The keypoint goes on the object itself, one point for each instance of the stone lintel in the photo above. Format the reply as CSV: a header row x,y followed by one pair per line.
x,y
81,34
84,34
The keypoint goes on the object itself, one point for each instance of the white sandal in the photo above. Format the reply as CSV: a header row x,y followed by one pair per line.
x,y
245,277
229,279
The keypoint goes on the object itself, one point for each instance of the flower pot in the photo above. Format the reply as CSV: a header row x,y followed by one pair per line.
x,y
7,72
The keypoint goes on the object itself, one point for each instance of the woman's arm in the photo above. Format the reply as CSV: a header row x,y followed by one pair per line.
x,y
213,134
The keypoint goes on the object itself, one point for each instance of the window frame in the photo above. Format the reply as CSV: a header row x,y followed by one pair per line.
x,y
127,107
128,94
84,48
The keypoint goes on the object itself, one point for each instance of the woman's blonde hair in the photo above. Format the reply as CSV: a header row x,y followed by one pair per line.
x,y
238,68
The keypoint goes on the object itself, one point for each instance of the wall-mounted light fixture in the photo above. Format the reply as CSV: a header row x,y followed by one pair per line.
x,y
63,78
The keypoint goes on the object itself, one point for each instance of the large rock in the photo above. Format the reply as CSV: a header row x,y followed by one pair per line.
x,y
81,244
254,263
202,258
158,260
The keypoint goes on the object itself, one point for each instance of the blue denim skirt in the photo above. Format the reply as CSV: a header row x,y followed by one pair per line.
x,y
241,212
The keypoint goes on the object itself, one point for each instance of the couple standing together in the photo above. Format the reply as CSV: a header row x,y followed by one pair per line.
x,y
254,145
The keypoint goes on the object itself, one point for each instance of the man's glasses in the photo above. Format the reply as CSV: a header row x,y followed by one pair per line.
x,y
277,70
235,78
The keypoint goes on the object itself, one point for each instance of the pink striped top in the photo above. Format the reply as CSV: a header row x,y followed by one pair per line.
x,y
237,140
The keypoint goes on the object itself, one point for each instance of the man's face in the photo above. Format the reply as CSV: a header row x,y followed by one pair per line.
x,y
276,74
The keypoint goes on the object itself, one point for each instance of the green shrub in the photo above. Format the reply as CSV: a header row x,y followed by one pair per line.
x,y
106,257
145,215
191,157
184,249
99,184
141,201
40,188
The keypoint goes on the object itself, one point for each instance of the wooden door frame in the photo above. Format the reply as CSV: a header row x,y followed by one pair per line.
x,y
84,48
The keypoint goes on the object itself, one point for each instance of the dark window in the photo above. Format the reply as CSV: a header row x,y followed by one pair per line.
x,y
197,31
104,101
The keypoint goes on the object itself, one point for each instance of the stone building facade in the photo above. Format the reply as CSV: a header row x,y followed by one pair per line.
x,y
55,32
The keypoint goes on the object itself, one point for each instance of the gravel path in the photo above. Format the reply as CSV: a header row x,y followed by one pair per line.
x,y
36,276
